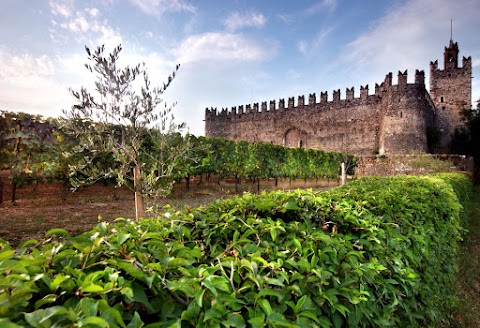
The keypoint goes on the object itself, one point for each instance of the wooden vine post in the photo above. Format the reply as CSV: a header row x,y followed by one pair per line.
x,y
139,206
344,174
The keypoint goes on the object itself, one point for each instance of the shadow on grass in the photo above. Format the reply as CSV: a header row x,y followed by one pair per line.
x,y
468,282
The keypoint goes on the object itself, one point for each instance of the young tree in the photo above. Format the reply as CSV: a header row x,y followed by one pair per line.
x,y
113,125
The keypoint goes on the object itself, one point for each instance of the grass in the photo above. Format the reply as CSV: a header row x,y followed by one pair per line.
x,y
468,283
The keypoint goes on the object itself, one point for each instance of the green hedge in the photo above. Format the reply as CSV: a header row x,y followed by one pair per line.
x,y
378,252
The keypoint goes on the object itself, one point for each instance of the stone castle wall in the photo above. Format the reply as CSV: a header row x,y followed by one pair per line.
x,y
393,119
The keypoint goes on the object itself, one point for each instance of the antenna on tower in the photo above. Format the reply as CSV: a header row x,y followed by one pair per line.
x,y
451,29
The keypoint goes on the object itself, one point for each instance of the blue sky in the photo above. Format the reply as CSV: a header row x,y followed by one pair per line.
x,y
231,52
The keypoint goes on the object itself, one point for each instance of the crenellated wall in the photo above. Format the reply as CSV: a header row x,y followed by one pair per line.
x,y
360,125
407,114
395,119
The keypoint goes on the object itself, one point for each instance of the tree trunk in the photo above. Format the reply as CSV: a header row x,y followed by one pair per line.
x,y
344,175
476,171
1,189
139,208
187,182
236,183
64,191
14,192
115,195
258,184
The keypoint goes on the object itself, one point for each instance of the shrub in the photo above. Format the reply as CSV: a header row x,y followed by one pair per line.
x,y
378,252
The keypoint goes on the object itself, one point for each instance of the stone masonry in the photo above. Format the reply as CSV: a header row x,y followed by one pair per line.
x,y
451,91
393,120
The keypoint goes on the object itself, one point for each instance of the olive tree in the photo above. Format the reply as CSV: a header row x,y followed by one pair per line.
x,y
121,128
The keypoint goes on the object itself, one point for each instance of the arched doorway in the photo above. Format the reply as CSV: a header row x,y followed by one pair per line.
x,y
294,138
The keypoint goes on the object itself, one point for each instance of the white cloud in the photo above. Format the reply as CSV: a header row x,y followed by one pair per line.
x,y
106,35
312,46
159,7
33,94
221,47
237,21
84,26
62,8
29,83
302,47
149,34
39,84
78,24
92,11
199,86
24,65
408,36
287,19
324,5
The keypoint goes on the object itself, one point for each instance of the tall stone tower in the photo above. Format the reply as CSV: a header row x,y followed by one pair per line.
x,y
450,91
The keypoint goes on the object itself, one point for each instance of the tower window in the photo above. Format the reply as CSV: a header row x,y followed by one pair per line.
x,y
441,99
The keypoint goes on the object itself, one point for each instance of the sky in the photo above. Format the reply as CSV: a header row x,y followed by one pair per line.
x,y
231,53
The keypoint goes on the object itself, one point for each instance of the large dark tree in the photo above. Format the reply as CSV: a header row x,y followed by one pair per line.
x,y
467,139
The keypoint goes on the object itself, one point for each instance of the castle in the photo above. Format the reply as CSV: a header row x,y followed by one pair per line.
x,y
396,119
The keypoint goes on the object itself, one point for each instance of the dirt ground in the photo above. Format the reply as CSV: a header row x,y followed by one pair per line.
x,y
39,208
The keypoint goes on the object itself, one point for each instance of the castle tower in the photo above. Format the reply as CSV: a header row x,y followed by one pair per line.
x,y
406,112
451,92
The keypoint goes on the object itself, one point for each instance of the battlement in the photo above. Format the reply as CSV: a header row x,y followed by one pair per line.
x,y
466,63
391,118
323,102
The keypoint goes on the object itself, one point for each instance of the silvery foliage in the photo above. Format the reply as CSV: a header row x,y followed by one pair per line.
x,y
124,124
